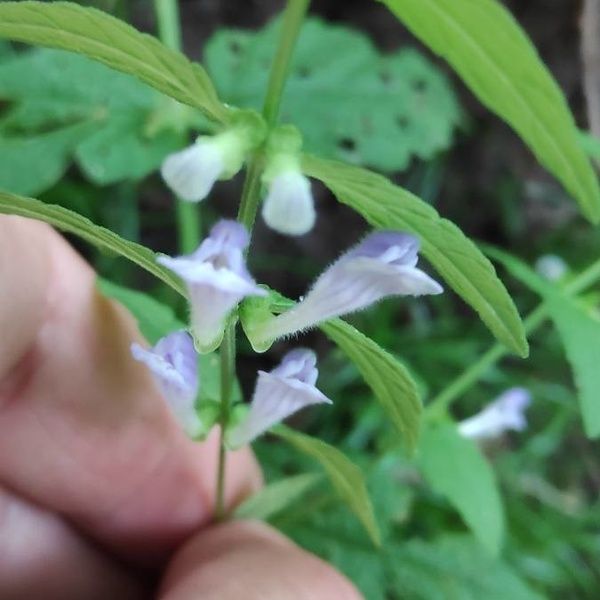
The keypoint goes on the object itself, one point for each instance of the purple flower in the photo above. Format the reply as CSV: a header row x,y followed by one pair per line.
x,y
217,279
278,394
289,206
505,413
383,264
174,365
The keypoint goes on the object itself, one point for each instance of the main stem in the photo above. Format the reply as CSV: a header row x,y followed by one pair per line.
x,y
186,213
442,402
292,22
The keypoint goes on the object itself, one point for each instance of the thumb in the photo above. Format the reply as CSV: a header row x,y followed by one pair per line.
x,y
252,561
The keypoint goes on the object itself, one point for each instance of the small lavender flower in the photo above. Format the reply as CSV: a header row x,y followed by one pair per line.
x,y
289,206
217,279
383,264
278,394
174,366
192,172
551,267
505,413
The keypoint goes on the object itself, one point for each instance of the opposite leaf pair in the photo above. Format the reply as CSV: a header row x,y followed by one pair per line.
x,y
285,390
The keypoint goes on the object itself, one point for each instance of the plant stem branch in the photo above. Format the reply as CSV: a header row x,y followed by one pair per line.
x,y
292,22
187,214
442,402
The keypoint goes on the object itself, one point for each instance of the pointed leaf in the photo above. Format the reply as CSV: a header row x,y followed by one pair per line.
x,y
276,496
458,260
579,330
391,383
346,478
455,468
108,40
102,238
496,59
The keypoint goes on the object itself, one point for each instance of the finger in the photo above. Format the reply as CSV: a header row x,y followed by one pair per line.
x,y
251,561
83,430
42,557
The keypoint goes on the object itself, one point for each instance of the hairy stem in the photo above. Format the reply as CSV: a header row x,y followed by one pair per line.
x,y
292,22
442,402
187,214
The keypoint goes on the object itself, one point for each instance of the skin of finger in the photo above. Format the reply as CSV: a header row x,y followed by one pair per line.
x,y
42,557
83,430
252,561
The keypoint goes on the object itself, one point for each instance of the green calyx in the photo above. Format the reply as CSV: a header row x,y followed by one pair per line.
x,y
283,152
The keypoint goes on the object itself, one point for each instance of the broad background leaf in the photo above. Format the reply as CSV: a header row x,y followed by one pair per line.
x,y
108,40
330,95
102,238
64,106
391,383
579,330
457,259
455,468
496,59
346,478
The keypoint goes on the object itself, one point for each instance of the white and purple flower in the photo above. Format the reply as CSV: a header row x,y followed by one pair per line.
x,y
383,264
289,206
173,363
505,413
278,394
217,280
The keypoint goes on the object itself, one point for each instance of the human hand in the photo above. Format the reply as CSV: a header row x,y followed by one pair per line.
x,y
101,494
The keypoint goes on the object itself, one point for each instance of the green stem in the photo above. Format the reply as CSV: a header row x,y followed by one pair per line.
x,y
292,22
227,377
442,402
187,214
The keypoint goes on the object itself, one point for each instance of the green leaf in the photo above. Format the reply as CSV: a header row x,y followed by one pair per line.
x,y
455,468
579,330
156,320
102,238
276,496
31,165
108,40
496,59
346,478
330,96
458,260
390,381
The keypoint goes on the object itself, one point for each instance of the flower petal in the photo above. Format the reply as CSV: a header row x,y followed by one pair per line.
x,y
173,364
503,414
289,206
192,172
382,265
278,394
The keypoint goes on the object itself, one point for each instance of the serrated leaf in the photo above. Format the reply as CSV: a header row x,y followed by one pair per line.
x,y
31,165
276,496
108,40
330,96
55,91
156,320
496,59
102,238
458,260
455,468
391,383
346,478
579,331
